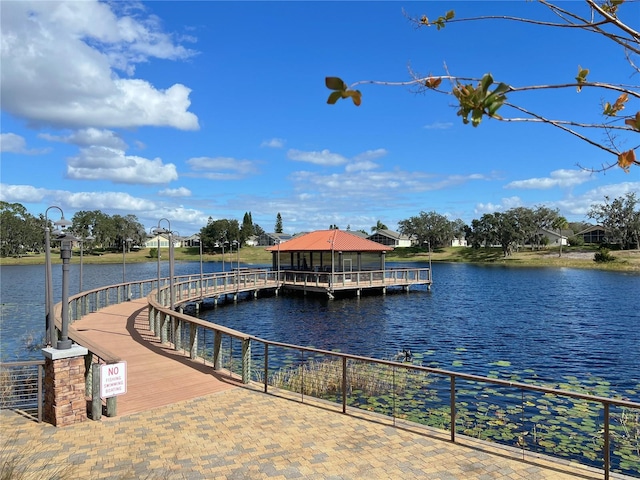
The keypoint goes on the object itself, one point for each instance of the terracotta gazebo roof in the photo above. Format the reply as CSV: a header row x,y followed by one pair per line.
x,y
327,240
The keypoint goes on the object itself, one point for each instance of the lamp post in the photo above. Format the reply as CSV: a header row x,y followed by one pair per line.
x,y
222,243
158,231
428,242
48,288
65,254
201,271
89,238
172,296
333,236
125,244
278,263
237,244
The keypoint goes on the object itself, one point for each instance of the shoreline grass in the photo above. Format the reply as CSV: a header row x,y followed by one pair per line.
x,y
572,257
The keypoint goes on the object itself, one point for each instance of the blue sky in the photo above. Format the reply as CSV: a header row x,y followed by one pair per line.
x,y
191,110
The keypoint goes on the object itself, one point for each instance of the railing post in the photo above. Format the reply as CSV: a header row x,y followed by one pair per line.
x,y
177,333
96,401
344,384
453,408
266,366
193,337
607,447
217,350
112,406
40,392
163,327
246,360
152,323
88,374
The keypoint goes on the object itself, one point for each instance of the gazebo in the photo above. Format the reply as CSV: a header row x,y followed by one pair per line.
x,y
329,251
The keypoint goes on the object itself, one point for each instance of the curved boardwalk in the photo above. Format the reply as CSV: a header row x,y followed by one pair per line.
x,y
179,420
157,375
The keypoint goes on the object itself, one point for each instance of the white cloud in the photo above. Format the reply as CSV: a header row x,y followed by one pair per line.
x,y
59,62
222,168
557,178
580,205
363,165
87,137
175,192
273,143
505,204
21,193
12,143
365,186
324,157
101,163
185,220
439,126
108,201
370,155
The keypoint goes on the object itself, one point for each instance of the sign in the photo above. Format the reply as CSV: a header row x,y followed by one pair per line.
x,y
113,379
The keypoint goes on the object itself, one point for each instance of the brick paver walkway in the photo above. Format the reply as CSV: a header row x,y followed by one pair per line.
x,y
245,434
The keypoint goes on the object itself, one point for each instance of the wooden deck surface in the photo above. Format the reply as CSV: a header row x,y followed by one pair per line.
x,y
157,375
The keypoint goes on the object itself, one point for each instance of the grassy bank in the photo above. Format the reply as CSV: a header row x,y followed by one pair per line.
x,y
579,257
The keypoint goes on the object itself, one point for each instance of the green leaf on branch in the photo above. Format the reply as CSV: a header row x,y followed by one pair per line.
x,y
356,96
611,110
481,100
440,22
335,83
340,90
582,76
486,82
334,97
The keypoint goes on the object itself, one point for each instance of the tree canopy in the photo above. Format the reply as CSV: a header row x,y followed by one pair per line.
x,y
481,96
620,219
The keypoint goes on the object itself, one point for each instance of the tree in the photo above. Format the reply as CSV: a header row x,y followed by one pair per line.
x,y
429,227
219,233
479,97
379,226
19,230
620,219
247,229
258,230
278,226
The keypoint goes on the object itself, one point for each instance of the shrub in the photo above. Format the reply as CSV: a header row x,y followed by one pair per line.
x,y
576,241
603,256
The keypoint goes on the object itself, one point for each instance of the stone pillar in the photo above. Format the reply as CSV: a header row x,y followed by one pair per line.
x,y
64,385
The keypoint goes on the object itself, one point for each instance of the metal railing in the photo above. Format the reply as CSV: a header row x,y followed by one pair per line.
x,y
597,431
354,279
22,387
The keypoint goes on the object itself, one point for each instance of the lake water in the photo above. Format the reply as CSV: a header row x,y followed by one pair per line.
x,y
547,324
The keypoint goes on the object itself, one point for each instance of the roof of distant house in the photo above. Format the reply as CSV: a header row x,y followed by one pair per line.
x,y
328,240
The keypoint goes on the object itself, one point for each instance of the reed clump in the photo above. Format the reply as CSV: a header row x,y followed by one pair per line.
x,y
323,378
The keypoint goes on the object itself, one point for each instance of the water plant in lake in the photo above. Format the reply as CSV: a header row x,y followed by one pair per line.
x,y
539,422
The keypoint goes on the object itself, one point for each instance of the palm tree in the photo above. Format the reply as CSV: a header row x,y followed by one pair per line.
x,y
379,226
560,223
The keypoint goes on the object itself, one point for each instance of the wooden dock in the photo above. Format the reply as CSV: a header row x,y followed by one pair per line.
x,y
355,282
